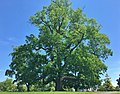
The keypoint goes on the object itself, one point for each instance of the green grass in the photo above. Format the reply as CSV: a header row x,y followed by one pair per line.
x,y
50,93
56,93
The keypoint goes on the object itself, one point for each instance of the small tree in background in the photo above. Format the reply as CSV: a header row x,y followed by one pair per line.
x,y
118,81
107,85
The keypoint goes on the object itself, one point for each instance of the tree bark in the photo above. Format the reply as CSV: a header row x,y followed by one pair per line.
x,y
58,84
76,88
28,87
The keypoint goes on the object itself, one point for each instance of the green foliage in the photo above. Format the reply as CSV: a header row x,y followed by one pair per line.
x,y
67,51
21,88
107,85
7,85
118,81
117,88
25,65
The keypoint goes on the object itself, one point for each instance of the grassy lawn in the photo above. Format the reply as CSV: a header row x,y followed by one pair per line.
x,y
49,93
56,93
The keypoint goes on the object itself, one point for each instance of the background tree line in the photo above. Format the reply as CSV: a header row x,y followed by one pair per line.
x,y
69,50
8,86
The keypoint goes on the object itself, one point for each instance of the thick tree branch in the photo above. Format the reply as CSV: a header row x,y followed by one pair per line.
x,y
60,24
77,44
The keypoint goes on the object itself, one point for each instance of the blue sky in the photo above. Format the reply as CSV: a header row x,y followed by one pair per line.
x,y
14,26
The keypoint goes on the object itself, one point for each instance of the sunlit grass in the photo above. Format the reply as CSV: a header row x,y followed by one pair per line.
x,y
50,93
57,93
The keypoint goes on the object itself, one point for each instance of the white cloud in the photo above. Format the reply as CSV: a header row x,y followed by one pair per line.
x,y
8,41
11,39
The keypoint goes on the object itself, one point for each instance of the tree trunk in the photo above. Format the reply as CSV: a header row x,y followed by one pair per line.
x,y
75,88
58,84
28,87
43,84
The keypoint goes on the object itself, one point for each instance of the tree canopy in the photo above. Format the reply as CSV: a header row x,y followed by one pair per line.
x,y
69,50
